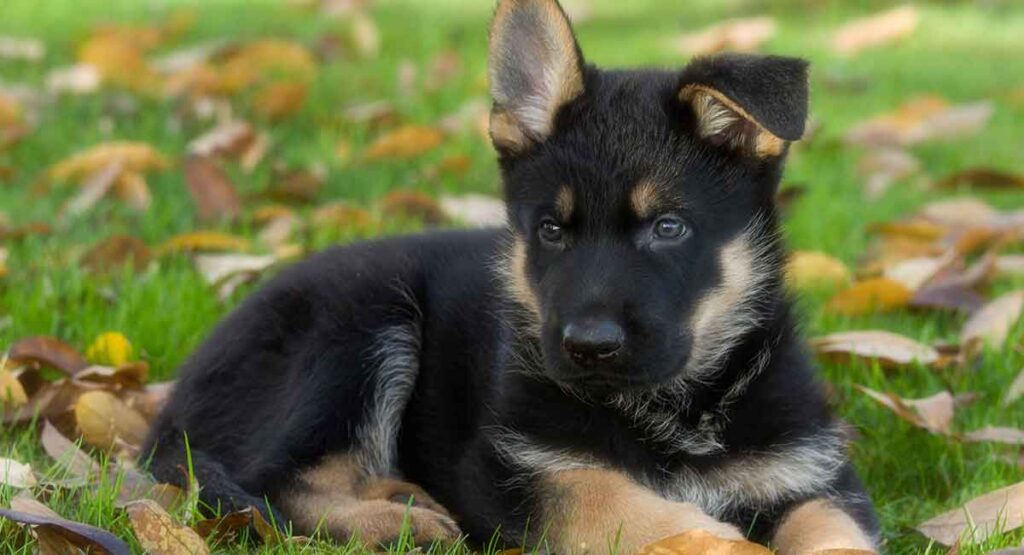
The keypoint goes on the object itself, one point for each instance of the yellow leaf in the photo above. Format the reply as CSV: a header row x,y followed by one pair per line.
x,y
812,269
871,295
159,534
119,61
405,142
699,542
105,420
279,100
203,241
12,393
134,157
265,60
111,349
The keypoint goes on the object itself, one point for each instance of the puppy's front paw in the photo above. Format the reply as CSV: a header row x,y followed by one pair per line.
x,y
380,522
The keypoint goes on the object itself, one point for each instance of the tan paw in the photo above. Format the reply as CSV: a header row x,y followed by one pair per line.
x,y
400,492
379,522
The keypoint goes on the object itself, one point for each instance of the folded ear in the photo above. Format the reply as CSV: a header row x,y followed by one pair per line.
x,y
535,67
755,104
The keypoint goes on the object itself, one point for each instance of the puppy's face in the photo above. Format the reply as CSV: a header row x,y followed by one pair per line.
x,y
641,201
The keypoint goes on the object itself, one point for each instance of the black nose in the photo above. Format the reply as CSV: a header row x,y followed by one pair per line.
x,y
593,342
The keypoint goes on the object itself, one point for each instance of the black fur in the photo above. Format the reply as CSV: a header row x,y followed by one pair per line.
x,y
291,375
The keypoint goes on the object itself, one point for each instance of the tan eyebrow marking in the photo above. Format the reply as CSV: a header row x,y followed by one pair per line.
x,y
645,198
564,203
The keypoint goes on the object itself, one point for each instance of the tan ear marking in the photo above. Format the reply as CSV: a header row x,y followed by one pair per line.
x,y
506,134
719,116
645,198
564,203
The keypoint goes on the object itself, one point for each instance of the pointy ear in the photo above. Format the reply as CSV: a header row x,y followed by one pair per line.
x,y
535,67
754,104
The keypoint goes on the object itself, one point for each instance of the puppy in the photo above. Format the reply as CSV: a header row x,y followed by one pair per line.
x,y
618,365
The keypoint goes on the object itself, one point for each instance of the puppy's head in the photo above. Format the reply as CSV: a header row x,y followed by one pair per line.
x,y
641,202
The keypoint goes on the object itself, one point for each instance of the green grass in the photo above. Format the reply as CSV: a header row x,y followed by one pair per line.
x,y
962,51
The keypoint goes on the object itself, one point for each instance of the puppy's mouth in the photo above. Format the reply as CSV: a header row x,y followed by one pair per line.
x,y
607,382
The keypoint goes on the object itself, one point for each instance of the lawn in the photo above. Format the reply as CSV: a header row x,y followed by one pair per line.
x,y
961,51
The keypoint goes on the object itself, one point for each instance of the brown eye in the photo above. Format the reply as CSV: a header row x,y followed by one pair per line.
x,y
549,231
669,227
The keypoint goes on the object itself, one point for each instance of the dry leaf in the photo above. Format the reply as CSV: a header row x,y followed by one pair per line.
x,y
130,375
44,351
864,297
699,542
996,434
404,143
16,475
227,271
261,60
980,518
875,30
921,120
114,252
982,177
279,100
224,527
22,48
807,270
48,524
341,215
474,210
883,167
199,241
136,157
211,189
965,212
159,534
105,421
410,205
1015,391
934,413
297,185
119,62
12,392
94,188
230,138
915,272
131,187
74,79
890,349
365,34
992,323
77,463
740,35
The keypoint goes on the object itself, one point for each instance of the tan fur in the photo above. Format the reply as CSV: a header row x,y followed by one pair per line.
x,y
645,198
716,114
336,496
564,203
597,510
506,134
818,525
516,281
562,75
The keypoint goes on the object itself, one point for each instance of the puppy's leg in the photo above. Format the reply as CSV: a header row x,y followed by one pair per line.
x,y
337,497
598,511
818,525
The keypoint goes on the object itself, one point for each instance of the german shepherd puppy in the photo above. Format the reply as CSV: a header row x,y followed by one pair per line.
x,y
619,365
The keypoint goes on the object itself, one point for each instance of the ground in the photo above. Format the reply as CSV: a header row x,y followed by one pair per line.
x,y
962,52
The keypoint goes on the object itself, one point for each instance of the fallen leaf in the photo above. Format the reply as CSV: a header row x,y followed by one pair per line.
x,y
211,189
151,399
22,48
875,30
227,271
159,534
114,252
198,241
474,210
699,542
992,323
136,157
94,188
411,205
891,350
809,270
376,114
45,351
74,79
915,272
982,177
76,462
131,187
934,413
259,61
119,62
229,138
980,518
341,215
16,474
12,393
297,185
882,167
965,212
130,375
871,295
995,434
87,538
224,527
921,120
1015,391
404,143
279,100
105,421
739,35
365,34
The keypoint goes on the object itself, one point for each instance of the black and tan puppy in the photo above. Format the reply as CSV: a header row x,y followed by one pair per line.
x,y
619,365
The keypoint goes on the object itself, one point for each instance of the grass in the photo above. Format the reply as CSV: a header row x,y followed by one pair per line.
x,y
962,52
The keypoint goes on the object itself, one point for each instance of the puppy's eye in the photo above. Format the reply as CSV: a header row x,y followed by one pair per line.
x,y
669,227
549,231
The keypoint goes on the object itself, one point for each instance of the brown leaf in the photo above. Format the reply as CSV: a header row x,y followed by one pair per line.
x,y
891,350
77,463
106,422
915,272
996,434
404,143
921,120
966,212
699,542
410,205
12,392
871,295
130,375
341,215
297,185
809,270
934,413
135,157
95,187
880,168
376,114
159,534
875,30
257,62
45,351
739,35
49,527
229,138
227,271
151,400
16,475
202,241
980,518
279,100
212,191
226,526
119,62
131,187
992,323
982,177
114,252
